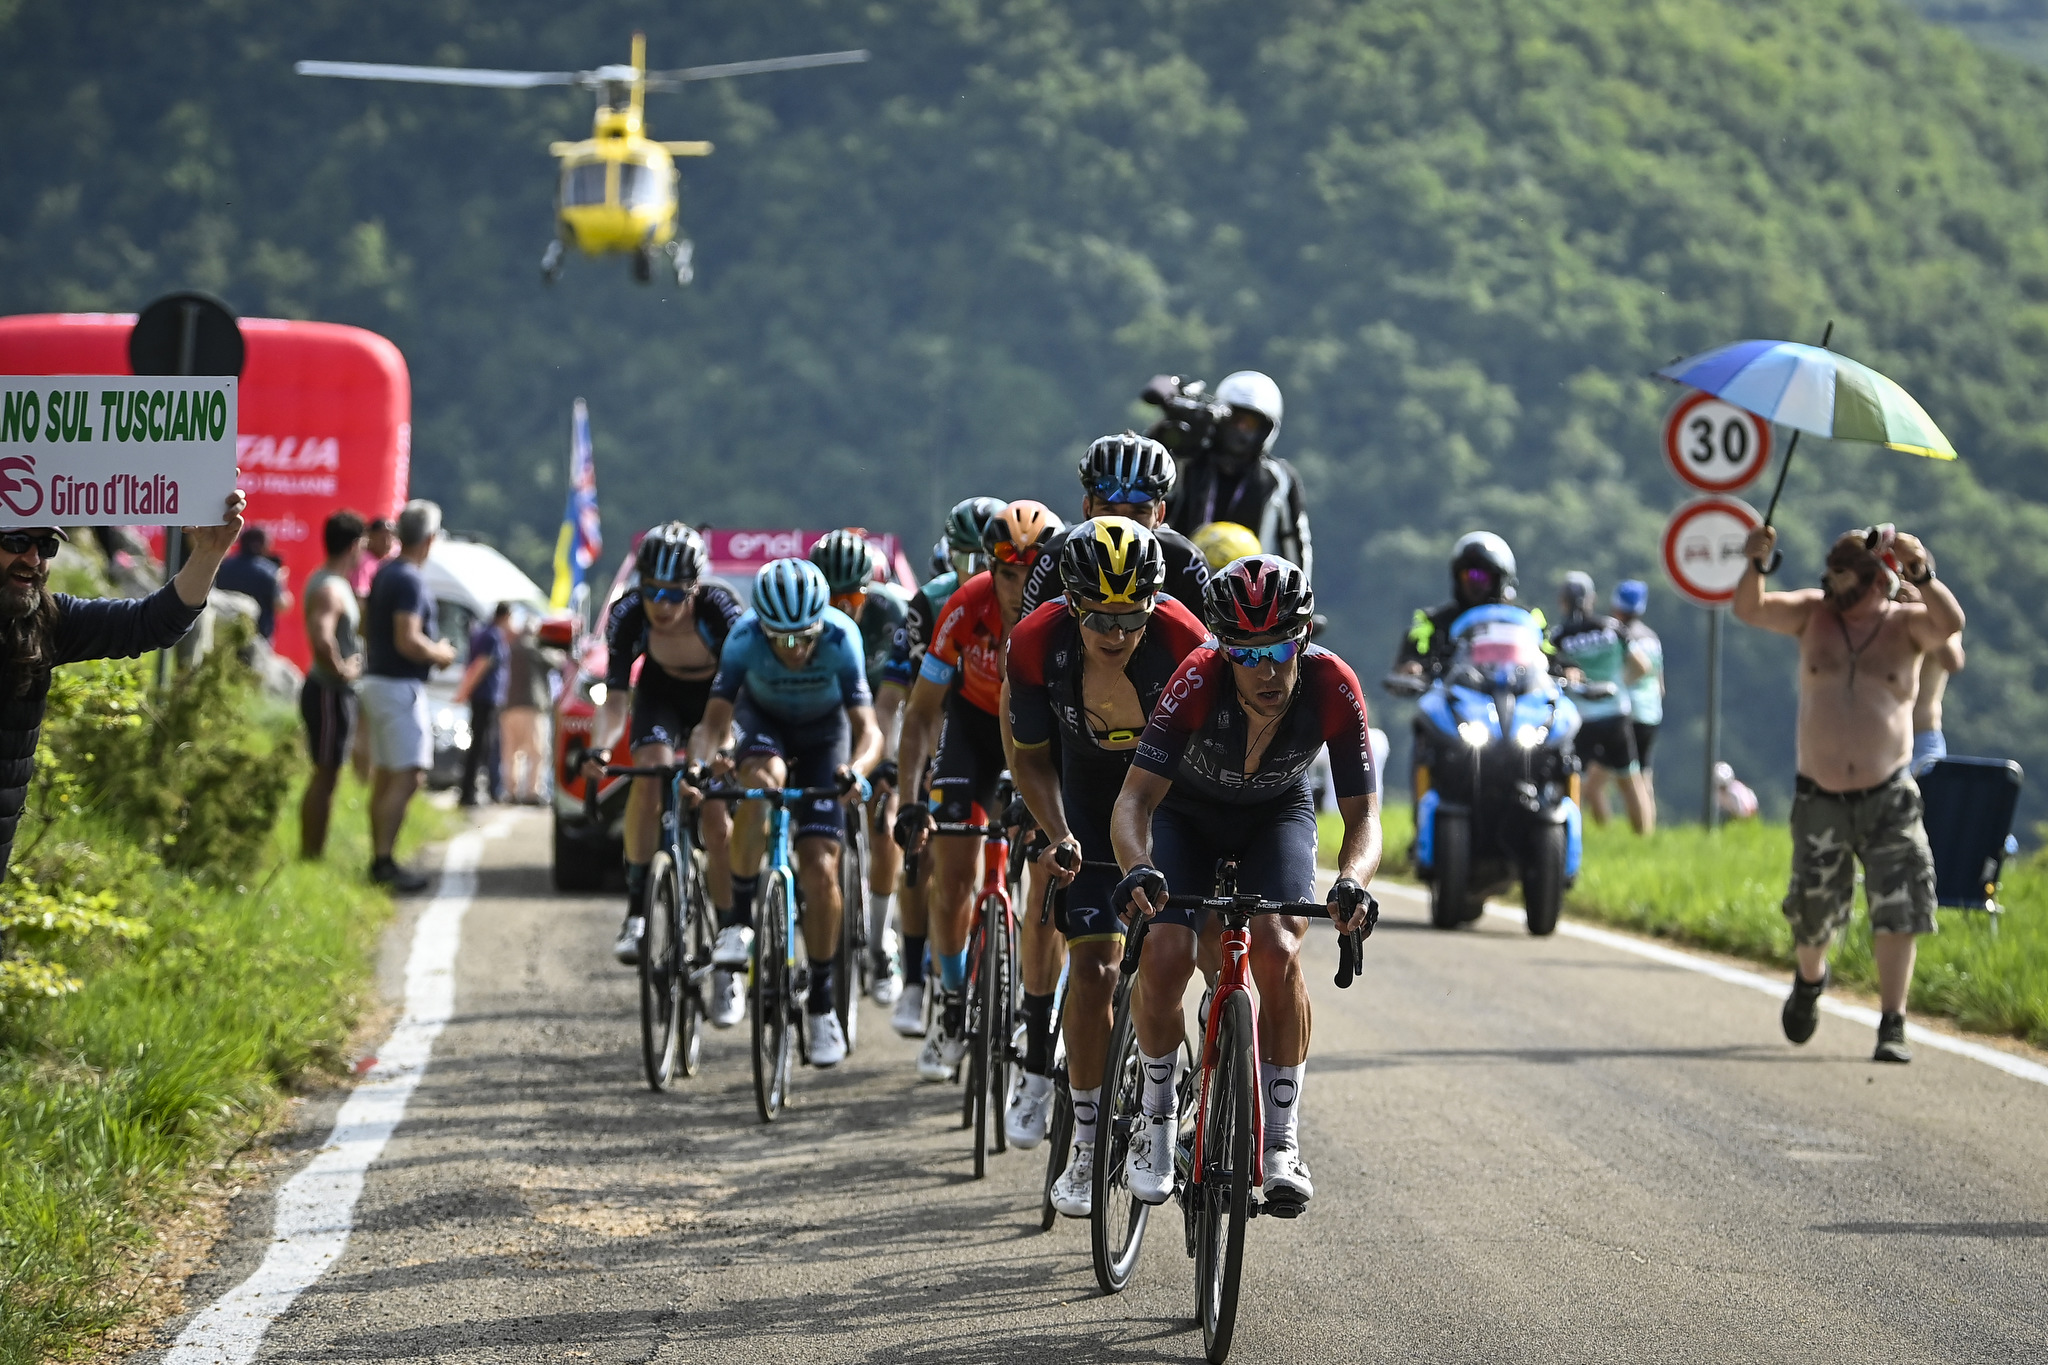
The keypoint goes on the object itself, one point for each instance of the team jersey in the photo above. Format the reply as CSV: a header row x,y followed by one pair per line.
x,y
882,615
1196,737
921,613
836,675
1186,571
1593,645
1045,673
1645,694
625,628
968,644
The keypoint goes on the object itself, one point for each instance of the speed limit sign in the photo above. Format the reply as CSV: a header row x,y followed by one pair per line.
x,y
1714,446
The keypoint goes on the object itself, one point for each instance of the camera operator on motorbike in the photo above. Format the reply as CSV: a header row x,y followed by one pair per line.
x,y
957,557
680,623
953,711
1231,473
1221,770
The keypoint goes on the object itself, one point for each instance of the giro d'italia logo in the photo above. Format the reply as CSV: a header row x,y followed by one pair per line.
x,y
19,488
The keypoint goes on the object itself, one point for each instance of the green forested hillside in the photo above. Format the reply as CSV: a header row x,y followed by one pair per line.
x,y
1458,233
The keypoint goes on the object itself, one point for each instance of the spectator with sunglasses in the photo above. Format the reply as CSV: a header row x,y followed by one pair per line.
x,y
40,629
1127,476
1086,668
1222,771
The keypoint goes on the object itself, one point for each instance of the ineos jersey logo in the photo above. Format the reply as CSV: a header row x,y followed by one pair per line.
x,y
1181,688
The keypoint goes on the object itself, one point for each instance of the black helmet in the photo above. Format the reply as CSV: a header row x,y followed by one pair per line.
x,y
966,523
673,552
847,560
1258,595
1114,560
1128,464
1483,550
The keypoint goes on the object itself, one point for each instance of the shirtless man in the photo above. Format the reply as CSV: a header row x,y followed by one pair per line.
x,y
1861,648
1930,745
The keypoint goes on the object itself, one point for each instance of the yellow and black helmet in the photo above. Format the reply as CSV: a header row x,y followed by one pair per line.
x,y
1112,559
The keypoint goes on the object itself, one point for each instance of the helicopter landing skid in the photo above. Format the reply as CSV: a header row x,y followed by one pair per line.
x,y
551,262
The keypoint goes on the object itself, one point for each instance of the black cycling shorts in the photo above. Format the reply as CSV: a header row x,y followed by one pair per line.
x,y
666,708
330,716
813,751
1088,792
1610,742
1646,739
1274,843
971,764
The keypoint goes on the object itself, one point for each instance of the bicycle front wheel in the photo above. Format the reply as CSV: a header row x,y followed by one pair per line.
x,y
771,987
661,971
999,1008
1116,1221
1059,1139
1226,1176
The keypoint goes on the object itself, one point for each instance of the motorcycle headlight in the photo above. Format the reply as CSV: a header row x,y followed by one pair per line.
x,y
1475,733
1529,736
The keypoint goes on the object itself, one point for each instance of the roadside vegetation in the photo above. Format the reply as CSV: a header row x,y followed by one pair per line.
x,y
172,971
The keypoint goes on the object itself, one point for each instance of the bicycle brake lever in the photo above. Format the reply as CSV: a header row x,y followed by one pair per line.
x,y
1347,959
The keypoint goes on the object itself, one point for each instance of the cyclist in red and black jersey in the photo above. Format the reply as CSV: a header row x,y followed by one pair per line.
x,y
960,683
1086,669
1221,771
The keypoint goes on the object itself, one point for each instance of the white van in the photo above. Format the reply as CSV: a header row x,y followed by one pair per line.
x,y
468,580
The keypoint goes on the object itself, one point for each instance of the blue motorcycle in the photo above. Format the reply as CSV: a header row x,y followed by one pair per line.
x,y
1495,771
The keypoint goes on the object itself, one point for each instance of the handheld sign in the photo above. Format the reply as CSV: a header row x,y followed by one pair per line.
x,y
1715,446
101,450
1703,547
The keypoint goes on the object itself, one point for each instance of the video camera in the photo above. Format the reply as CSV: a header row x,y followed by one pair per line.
x,y
1189,416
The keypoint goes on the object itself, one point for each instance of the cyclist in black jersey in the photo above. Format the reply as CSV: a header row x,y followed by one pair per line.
x,y
1127,476
1222,771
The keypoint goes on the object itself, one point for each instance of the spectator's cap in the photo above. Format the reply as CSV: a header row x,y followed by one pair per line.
x,y
419,523
1631,596
1577,591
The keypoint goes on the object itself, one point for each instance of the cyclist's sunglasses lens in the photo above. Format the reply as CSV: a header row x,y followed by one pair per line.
x,y
799,639
1007,553
1118,493
849,602
1107,621
1249,655
18,543
669,594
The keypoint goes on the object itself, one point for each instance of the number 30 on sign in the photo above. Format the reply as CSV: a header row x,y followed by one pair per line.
x,y
1714,446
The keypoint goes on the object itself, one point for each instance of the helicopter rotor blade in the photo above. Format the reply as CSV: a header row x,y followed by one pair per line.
x,y
439,75
669,80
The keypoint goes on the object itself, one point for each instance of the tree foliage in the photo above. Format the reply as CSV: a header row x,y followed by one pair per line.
x,y
1458,232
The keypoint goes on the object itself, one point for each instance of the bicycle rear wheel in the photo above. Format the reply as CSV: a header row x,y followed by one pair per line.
x,y
850,978
999,1010
970,1028
661,971
1226,1177
771,999
700,927
1116,1223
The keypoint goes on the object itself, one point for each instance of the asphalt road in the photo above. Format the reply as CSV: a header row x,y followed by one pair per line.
x,y
1523,1150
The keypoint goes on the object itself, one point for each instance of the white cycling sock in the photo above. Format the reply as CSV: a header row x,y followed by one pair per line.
x,y
1159,1097
1085,1105
879,908
1280,1096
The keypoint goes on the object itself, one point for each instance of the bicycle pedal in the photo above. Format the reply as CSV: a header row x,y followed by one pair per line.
x,y
1279,1206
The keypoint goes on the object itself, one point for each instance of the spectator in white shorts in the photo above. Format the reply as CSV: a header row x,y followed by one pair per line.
x,y
401,651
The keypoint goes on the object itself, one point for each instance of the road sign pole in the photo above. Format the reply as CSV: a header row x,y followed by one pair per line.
x,y
1710,811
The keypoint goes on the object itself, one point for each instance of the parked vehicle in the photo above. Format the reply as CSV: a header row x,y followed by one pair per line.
x,y
1501,777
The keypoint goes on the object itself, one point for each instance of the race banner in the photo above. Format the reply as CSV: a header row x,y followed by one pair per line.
x,y
100,450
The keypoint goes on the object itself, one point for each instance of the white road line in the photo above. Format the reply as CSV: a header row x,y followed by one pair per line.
x,y
316,1208
1775,987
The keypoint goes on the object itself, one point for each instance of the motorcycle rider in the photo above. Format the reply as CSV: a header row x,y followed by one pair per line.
x,y
1236,477
1482,572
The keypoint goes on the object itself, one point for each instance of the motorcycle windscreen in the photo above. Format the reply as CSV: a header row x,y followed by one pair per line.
x,y
1508,652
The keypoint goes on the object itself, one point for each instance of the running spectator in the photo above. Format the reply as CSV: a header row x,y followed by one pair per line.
x,y
253,572
401,650
40,629
327,701
484,687
522,747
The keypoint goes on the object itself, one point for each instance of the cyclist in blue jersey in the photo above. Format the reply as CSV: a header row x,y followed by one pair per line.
x,y
793,682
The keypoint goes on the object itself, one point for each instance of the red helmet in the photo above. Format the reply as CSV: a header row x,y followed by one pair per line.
x,y
1258,595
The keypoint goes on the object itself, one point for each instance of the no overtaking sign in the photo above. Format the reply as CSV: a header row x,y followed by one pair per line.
x,y
99,450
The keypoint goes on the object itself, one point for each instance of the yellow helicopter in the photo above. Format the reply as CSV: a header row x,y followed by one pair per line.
x,y
617,192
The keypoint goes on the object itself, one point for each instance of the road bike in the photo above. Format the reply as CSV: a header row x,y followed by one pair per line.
x,y
778,978
993,987
675,947
856,964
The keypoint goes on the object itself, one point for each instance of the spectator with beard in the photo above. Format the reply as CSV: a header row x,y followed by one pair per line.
x,y
40,629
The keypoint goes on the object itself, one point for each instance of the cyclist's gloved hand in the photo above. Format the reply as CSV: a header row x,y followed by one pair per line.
x,y
911,824
849,780
885,774
1347,900
1140,878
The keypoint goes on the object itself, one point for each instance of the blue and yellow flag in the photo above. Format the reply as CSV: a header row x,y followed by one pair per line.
x,y
582,539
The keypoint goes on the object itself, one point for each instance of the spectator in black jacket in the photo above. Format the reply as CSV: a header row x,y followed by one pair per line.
x,y
40,629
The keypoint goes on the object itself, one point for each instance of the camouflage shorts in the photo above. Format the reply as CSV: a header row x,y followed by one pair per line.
x,y
1879,827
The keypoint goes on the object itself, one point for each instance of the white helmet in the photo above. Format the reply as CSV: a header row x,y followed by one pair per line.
x,y
1250,389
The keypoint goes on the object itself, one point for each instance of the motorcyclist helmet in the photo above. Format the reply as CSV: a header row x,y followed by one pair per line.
x,y
1482,569
1019,533
1259,595
672,552
1577,592
1112,559
1631,597
846,559
790,596
1222,541
1249,395
1127,468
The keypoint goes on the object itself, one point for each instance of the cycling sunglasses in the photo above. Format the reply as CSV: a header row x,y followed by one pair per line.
x,y
1119,493
1007,553
798,639
1250,656
671,595
851,602
21,542
1103,622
